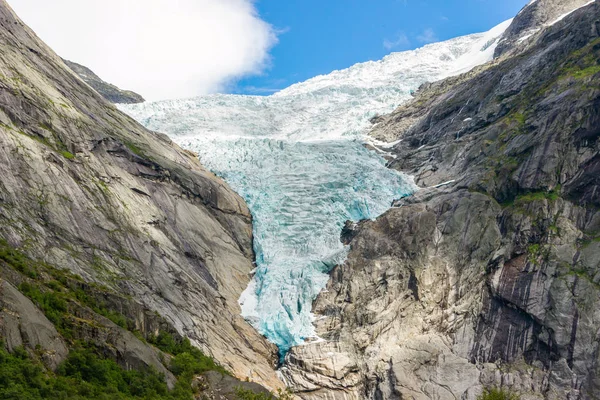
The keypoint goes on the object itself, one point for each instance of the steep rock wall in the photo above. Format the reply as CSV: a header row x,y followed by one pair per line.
x,y
491,279
85,188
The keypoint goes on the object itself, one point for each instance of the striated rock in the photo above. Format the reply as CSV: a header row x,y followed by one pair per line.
x,y
386,304
22,324
487,277
85,188
117,343
531,20
109,91
214,386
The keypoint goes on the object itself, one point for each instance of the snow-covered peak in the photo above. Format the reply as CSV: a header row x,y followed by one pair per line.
x,y
339,104
434,60
481,51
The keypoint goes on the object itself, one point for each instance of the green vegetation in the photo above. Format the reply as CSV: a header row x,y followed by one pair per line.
x,y
517,125
244,394
52,290
537,196
527,198
582,63
17,260
135,149
53,305
517,117
67,155
83,375
87,374
38,139
497,394
537,252
58,146
581,274
188,360
586,72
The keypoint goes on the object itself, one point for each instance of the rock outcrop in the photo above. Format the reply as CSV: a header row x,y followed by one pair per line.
x,y
109,91
489,276
23,324
531,20
85,188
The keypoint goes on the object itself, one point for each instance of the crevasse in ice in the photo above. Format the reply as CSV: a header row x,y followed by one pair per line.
x,y
297,158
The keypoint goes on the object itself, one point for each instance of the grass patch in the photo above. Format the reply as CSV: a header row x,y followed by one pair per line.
x,y
67,155
586,72
517,117
17,260
586,242
537,196
245,394
537,252
135,149
531,197
497,394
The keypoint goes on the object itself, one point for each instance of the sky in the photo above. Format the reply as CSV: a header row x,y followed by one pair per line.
x,y
166,49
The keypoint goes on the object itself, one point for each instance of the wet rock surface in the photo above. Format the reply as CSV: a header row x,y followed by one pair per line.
x,y
492,279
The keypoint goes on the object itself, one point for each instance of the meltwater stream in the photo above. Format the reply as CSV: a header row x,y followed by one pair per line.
x,y
297,158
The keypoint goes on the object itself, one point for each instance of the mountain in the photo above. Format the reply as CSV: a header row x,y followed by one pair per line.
x,y
123,260
533,18
112,237
488,276
297,158
109,91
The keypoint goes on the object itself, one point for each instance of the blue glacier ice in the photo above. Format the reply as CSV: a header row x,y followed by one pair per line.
x,y
298,159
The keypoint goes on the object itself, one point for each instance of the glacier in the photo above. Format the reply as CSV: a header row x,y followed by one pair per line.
x,y
298,159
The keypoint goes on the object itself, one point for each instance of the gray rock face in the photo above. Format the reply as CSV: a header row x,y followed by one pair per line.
x,y
109,91
22,324
532,19
214,386
85,188
492,280
118,343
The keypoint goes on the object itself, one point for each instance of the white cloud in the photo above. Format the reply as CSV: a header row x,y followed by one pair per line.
x,y
428,36
159,48
401,40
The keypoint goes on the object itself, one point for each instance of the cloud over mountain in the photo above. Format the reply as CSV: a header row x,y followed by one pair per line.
x,y
159,48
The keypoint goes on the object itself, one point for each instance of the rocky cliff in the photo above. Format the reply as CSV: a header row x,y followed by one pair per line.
x,y
489,276
109,91
102,218
532,19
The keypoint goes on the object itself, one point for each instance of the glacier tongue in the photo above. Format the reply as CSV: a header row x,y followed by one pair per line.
x,y
297,158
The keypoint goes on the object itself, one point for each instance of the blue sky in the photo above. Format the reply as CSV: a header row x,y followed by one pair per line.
x,y
319,36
